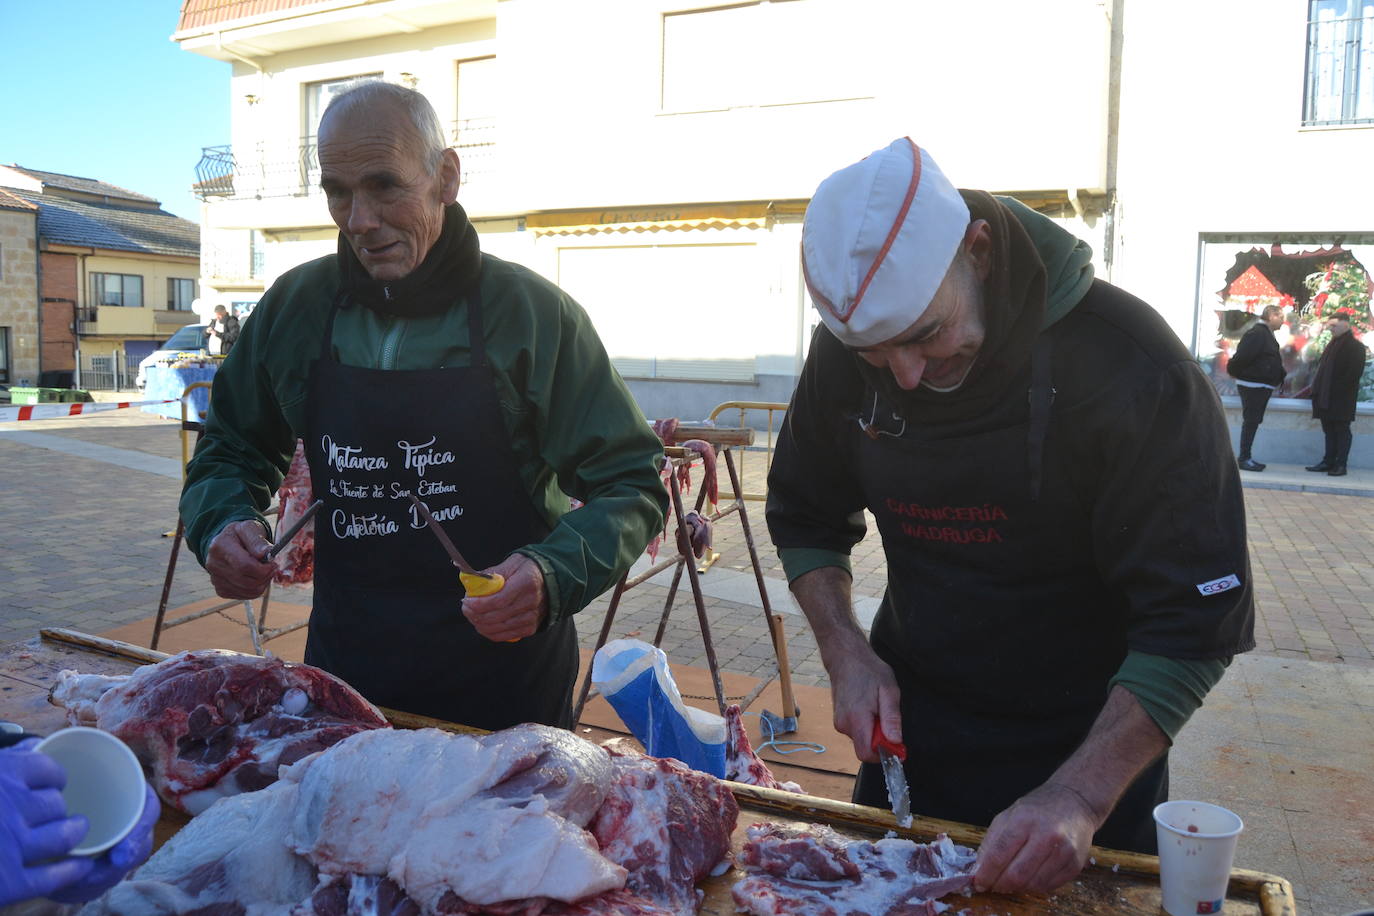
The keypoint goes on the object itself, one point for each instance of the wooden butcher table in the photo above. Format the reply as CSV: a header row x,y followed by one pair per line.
x,y
1119,883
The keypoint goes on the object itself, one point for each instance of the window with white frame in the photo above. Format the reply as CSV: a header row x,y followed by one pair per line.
x,y
318,95
728,57
180,293
117,289
474,130
1340,63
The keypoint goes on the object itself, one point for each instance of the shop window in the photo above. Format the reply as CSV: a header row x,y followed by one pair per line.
x,y
1340,62
1311,278
117,289
705,320
180,294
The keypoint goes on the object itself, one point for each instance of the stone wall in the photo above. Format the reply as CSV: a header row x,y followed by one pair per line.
x,y
19,294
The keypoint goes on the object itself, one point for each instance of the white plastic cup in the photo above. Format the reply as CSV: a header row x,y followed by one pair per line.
x,y
104,782
1197,843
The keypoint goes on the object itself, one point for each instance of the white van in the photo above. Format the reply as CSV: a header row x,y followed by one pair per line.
x,y
190,339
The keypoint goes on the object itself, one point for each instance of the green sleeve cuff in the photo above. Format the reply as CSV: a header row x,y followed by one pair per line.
x,y
1169,689
551,590
798,561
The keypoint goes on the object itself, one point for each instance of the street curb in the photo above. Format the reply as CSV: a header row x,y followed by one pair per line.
x,y
1329,489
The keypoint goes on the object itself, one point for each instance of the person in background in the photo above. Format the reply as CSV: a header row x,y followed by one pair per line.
x,y
1257,368
411,362
1060,510
37,836
1335,389
222,332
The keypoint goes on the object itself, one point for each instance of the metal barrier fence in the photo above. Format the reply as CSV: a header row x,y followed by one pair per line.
x,y
103,371
745,411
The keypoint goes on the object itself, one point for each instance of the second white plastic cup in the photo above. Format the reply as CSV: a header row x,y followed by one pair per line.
x,y
104,783
1197,843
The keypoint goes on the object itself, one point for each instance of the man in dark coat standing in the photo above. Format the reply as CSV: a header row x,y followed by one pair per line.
x,y
1258,371
1334,390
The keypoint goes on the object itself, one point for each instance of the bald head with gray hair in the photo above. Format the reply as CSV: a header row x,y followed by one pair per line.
x,y
377,94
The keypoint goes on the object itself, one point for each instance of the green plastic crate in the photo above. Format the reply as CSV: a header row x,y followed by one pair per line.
x,y
75,396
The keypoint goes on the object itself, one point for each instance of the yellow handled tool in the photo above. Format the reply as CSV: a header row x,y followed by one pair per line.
x,y
474,583
478,584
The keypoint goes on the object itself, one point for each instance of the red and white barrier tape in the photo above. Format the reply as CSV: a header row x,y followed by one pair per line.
x,y
52,411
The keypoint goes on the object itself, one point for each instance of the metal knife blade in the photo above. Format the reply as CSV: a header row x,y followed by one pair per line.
x,y
453,554
897,790
296,526
891,754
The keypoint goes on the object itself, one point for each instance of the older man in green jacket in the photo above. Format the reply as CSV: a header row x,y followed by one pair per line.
x,y
410,362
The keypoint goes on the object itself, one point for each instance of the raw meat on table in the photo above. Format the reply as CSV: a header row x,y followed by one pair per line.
x,y
295,565
527,821
668,825
741,763
817,872
208,724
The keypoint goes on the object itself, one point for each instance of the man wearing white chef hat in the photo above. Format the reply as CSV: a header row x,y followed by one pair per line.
x,y
1060,510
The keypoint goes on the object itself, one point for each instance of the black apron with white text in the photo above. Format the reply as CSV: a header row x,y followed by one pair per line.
x,y
387,616
998,627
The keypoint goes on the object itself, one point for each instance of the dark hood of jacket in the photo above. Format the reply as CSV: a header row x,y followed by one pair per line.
x,y
1039,273
448,272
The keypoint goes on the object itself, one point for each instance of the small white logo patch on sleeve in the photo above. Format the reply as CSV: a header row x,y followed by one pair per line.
x,y
1216,586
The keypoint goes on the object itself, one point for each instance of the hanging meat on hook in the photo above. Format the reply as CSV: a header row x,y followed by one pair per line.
x,y
698,525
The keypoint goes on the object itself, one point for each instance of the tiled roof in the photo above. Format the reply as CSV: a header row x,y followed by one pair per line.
x,y
200,13
73,222
9,201
84,185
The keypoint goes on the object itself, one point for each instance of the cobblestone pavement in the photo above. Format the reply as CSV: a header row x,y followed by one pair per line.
x,y
83,546
85,503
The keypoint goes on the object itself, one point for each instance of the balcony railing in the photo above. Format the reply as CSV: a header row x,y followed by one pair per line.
x,y
274,171
232,263
86,317
475,141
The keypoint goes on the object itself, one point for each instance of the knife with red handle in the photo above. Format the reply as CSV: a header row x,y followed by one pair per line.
x,y
891,755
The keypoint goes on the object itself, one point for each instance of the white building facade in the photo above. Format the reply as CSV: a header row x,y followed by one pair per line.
x,y
654,157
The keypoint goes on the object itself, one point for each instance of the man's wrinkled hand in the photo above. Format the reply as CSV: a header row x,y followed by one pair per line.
x,y
518,609
863,690
1038,844
237,561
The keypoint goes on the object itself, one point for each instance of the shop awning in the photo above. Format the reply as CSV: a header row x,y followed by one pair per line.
x,y
756,215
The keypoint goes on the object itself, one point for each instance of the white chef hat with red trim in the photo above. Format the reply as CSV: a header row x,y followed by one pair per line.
x,y
878,238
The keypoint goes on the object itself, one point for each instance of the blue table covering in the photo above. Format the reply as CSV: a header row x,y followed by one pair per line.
x,y
166,382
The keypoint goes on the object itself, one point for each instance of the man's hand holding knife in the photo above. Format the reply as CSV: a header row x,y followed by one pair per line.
x,y
518,609
239,560
505,603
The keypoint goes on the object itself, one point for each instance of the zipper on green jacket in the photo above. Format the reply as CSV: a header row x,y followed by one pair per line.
x,y
391,344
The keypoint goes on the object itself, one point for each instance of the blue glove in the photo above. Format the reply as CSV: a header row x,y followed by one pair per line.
x,y
120,859
35,829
